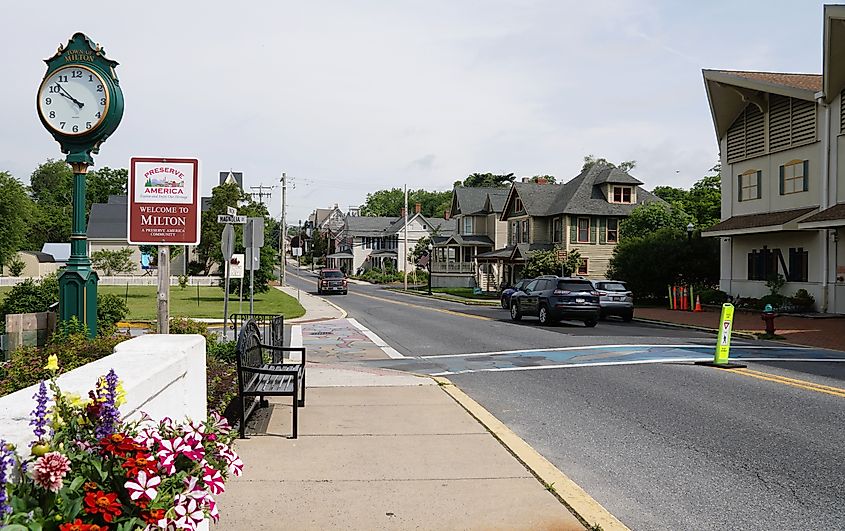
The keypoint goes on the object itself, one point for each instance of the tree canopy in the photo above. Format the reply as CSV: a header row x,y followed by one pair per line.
x,y
592,160
651,217
15,212
487,180
703,202
547,263
390,202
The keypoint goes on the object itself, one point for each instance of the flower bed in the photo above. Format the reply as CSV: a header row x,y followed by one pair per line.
x,y
89,470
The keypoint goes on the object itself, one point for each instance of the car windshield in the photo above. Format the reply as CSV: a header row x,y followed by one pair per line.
x,y
612,286
332,274
571,285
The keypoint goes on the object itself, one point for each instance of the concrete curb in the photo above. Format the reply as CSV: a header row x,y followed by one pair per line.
x,y
491,303
579,503
744,335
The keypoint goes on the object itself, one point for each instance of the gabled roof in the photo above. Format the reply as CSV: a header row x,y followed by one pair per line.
x,y
580,195
468,201
811,82
107,221
475,239
368,225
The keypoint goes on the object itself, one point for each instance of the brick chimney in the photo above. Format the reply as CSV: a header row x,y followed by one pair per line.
x,y
447,213
542,180
418,208
526,179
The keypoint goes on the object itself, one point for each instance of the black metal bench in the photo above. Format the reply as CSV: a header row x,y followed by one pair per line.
x,y
271,326
264,371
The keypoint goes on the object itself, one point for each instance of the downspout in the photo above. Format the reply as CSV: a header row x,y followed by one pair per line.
x,y
825,186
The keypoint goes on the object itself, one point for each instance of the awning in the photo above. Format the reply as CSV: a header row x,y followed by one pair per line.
x,y
383,254
499,254
340,255
828,218
759,223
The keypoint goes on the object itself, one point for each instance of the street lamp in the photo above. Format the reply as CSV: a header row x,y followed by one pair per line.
x,y
689,231
430,258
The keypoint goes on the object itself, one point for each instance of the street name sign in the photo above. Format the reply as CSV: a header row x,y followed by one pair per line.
x,y
232,211
238,220
163,201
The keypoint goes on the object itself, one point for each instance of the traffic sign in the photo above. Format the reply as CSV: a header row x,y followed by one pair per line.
x,y
561,255
296,251
236,266
240,220
723,347
232,211
254,232
252,259
227,243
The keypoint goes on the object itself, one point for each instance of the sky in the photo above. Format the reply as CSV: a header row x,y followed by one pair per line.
x,y
349,97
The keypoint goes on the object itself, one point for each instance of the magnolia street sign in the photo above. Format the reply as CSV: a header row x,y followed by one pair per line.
x,y
164,201
240,220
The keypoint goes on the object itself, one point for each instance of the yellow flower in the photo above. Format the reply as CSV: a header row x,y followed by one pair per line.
x,y
52,363
120,399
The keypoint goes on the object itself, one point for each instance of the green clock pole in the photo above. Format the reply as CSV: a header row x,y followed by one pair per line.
x,y
78,282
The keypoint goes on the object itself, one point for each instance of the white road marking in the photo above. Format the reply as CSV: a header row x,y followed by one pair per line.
x,y
630,362
295,341
380,343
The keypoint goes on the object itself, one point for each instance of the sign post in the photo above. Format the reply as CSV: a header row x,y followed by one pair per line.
x,y
253,241
723,342
227,247
163,210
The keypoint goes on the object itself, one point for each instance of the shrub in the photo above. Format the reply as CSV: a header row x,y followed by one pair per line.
x,y
195,268
802,300
110,310
749,303
183,325
775,284
183,281
712,296
776,300
16,266
222,350
31,296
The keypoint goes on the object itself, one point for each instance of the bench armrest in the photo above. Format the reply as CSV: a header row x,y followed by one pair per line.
x,y
301,350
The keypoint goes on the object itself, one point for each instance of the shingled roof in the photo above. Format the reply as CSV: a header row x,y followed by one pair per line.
x,y
107,221
368,225
469,201
763,222
800,81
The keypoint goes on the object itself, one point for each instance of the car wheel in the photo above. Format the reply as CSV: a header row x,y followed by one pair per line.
x,y
345,292
515,314
627,317
505,303
319,291
544,316
589,323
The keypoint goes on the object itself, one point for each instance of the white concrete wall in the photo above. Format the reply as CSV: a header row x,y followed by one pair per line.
x,y
163,376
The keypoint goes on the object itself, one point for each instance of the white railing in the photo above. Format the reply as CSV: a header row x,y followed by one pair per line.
x,y
453,267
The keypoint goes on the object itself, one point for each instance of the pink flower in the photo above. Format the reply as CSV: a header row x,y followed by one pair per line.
x,y
194,431
169,450
219,422
193,449
212,509
188,512
143,486
213,480
148,437
49,471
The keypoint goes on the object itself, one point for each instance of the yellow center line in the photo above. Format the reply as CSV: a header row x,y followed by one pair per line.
x,y
401,303
793,382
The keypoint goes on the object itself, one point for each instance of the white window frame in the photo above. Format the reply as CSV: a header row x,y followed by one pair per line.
x,y
468,222
749,185
615,231
622,190
578,230
793,177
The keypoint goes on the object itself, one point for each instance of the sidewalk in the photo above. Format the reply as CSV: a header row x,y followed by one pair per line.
x,y
316,308
822,333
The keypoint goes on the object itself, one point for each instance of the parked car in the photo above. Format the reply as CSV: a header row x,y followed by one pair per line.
x,y
332,281
507,293
615,299
551,299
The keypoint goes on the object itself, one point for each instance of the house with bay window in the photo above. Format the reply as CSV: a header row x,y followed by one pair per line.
x,y
782,153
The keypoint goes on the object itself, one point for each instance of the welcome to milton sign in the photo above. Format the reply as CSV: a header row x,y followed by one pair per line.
x,y
163,201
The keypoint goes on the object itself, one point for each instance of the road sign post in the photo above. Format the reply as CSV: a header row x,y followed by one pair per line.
x,y
723,341
253,241
227,246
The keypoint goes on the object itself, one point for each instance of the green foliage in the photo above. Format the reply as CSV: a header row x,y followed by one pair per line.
x,y
420,249
31,296
547,263
712,296
550,179
71,327
51,187
703,202
650,217
16,266
183,281
183,325
651,262
487,180
111,309
112,262
222,350
221,375
15,213
377,276
803,300
105,182
591,160
390,202
775,284
670,194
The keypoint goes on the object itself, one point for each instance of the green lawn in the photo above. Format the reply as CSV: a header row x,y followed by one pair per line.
x,y
466,293
183,302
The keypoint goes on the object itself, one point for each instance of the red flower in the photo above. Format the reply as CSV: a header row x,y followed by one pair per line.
x,y
141,461
88,486
77,525
119,444
101,503
153,516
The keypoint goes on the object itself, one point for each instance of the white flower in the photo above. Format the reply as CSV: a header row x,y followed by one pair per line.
x,y
143,486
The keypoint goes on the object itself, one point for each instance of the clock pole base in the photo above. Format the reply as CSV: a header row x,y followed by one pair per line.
x,y
78,297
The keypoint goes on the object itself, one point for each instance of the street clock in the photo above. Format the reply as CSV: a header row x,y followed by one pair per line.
x,y
80,101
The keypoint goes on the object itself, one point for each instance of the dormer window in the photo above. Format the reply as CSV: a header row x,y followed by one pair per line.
x,y
517,205
622,194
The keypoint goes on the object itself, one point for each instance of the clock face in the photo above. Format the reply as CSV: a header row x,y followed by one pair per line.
x,y
73,100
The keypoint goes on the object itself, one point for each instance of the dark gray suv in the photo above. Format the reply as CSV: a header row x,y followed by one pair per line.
x,y
551,299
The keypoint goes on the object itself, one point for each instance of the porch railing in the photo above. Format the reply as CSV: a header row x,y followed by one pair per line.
x,y
453,267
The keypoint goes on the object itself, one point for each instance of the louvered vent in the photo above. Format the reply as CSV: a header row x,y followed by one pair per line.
x,y
792,122
746,136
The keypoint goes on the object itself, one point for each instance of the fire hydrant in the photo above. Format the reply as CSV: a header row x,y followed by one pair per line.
x,y
768,317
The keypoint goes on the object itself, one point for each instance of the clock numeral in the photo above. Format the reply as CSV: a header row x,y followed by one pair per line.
x,y
62,124
54,89
99,88
87,125
48,101
102,101
90,77
98,114
75,128
76,74
52,114
61,79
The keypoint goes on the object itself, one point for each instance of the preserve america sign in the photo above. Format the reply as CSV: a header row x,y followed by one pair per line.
x,y
164,201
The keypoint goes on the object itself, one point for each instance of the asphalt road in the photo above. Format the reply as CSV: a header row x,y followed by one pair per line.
x,y
662,446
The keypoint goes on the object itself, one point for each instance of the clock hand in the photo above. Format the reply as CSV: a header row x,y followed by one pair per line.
x,y
68,96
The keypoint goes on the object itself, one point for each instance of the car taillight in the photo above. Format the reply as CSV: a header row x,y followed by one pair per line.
x,y
595,293
562,292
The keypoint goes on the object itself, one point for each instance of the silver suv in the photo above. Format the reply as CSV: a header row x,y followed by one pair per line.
x,y
615,299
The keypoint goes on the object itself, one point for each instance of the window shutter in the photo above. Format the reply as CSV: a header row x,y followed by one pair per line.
x,y
759,184
573,229
739,188
593,230
807,176
602,231
781,180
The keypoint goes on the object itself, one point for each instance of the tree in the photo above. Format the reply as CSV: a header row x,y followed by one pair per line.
x,y
390,202
419,250
670,194
651,217
15,214
548,178
487,180
651,262
547,263
50,187
16,266
591,160
105,182
703,202
113,262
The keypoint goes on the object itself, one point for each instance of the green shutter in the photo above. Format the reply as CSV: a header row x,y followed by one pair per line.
x,y
807,176
573,229
781,180
602,231
739,187
593,230
759,184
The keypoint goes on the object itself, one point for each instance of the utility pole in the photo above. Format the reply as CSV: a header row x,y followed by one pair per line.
x,y
405,252
282,231
261,193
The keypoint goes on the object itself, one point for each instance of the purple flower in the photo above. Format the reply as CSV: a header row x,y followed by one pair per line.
x,y
39,414
109,415
6,459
